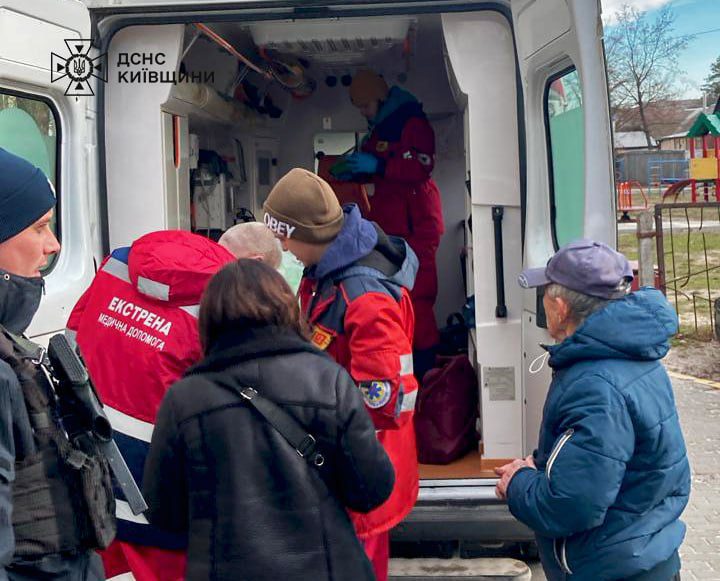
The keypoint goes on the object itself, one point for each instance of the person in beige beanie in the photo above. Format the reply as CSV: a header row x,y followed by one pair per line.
x,y
303,206
367,92
356,295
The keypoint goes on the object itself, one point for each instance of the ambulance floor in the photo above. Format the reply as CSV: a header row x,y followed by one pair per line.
x,y
471,465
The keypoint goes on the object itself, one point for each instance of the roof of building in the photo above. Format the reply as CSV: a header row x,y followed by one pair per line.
x,y
704,125
673,136
664,118
631,140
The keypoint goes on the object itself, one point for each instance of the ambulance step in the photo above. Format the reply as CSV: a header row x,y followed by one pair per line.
x,y
486,569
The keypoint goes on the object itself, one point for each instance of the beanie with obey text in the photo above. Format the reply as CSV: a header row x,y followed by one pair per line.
x,y
303,206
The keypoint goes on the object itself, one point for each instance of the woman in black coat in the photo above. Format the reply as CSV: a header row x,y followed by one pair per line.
x,y
252,507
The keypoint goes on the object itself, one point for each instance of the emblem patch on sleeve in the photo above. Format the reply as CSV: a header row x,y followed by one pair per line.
x,y
424,159
381,146
321,338
376,393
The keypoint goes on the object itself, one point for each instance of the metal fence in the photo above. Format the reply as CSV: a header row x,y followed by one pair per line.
x,y
651,167
688,255
667,170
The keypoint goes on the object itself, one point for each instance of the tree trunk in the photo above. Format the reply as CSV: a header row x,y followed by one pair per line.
x,y
646,130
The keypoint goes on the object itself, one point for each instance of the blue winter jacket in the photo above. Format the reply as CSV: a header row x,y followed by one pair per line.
x,y
612,472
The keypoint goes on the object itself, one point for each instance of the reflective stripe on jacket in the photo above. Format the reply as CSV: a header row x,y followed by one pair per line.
x,y
362,316
136,326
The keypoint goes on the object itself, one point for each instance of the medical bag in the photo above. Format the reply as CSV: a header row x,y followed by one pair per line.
x,y
446,411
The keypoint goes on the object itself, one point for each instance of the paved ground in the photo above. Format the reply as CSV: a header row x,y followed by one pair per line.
x,y
699,408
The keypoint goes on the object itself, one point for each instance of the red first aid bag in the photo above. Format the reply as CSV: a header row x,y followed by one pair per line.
x,y
446,411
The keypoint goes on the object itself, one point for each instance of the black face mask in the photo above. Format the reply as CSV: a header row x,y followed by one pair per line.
x,y
19,300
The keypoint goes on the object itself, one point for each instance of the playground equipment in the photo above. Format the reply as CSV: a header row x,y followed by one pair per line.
x,y
675,190
705,169
625,199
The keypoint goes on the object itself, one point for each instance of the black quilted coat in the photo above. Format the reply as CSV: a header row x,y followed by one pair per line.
x,y
252,507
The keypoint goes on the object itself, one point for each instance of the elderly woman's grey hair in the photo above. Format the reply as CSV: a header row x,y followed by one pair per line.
x,y
581,305
253,240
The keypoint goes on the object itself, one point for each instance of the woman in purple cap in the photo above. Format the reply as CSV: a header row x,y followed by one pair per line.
x,y
605,488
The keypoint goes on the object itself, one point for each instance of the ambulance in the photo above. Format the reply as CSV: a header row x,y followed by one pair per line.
x,y
166,114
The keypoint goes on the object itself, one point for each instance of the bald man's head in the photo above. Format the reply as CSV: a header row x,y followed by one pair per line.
x,y
253,240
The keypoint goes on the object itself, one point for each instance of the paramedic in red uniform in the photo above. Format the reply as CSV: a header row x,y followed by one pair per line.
x,y
355,293
398,157
137,330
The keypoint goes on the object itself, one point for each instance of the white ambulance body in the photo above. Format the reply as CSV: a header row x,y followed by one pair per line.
x,y
515,91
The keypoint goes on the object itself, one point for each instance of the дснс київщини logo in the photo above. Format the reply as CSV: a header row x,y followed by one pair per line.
x,y
78,67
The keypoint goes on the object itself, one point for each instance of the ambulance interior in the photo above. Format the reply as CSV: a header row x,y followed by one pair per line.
x,y
227,138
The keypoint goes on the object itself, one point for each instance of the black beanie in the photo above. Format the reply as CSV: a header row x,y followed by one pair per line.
x,y
25,195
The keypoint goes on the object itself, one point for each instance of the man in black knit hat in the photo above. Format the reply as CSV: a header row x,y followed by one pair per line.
x,y
37,521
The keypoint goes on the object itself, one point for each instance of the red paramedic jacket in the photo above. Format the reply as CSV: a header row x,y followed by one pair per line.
x,y
358,304
406,201
136,326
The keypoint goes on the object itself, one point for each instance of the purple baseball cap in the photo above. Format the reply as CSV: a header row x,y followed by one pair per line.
x,y
585,266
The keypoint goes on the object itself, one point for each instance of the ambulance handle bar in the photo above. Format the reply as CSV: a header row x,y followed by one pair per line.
x,y
500,308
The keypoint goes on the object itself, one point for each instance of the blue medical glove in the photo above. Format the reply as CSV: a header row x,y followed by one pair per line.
x,y
362,163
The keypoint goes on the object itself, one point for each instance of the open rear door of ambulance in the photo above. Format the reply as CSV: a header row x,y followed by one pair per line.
x,y
570,191
47,77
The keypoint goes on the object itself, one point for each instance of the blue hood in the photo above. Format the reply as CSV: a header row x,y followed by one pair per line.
x,y
396,99
362,246
356,240
637,327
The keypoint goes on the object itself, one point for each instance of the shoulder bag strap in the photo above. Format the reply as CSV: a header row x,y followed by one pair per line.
x,y
304,443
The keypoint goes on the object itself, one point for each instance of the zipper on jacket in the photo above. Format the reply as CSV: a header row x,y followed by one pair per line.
x,y
555,552
554,454
561,555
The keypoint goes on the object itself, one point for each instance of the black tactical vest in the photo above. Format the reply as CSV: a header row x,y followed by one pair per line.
x,y
62,493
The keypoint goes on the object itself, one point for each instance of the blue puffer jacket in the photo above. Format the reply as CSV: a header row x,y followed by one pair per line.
x,y
613,475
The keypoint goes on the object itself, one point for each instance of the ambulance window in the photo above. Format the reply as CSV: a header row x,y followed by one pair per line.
x,y
29,128
566,150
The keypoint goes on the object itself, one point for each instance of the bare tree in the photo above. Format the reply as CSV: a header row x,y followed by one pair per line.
x,y
642,60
